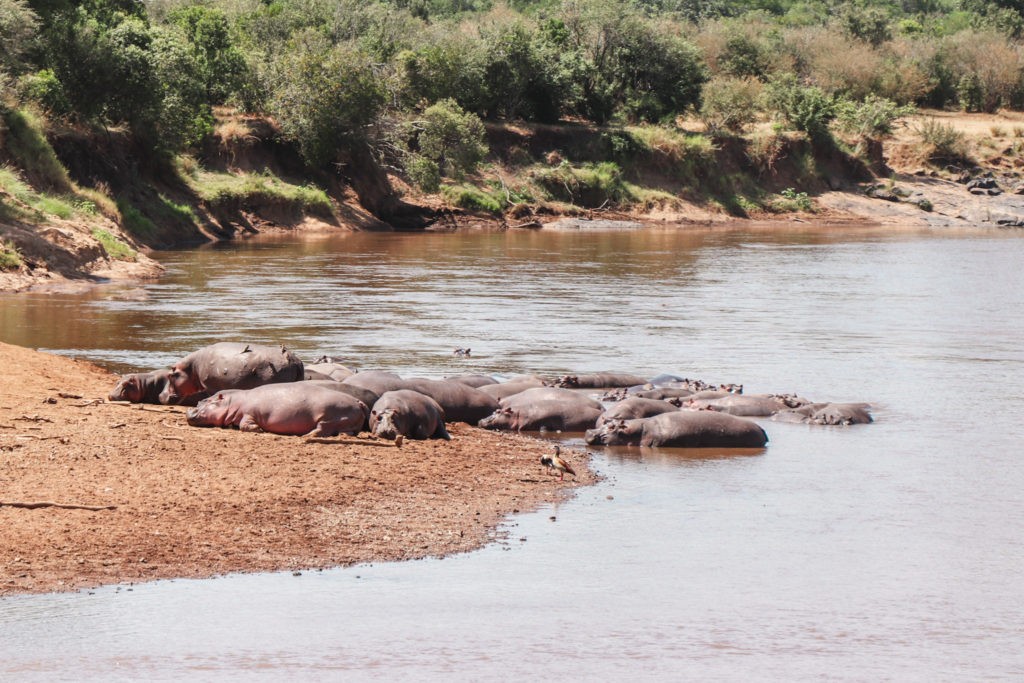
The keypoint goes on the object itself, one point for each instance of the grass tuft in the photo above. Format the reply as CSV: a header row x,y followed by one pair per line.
x,y
115,248
10,258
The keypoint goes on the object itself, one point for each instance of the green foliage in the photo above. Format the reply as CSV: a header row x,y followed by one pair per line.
x,y
18,27
28,145
472,198
452,138
872,118
729,104
589,185
970,93
115,248
239,190
806,108
795,201
134,221
45,89
869,23
743,57
945,141
424,172
10,257
219,64
326,98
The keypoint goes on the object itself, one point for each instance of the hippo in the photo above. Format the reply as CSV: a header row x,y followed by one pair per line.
x,y
634,408
504,389
365,395
377,381
535,394
663,393
600,380
291,409
684,428
828,414
461,403
737,404
475,381
407,413
327,370
230,365
543,415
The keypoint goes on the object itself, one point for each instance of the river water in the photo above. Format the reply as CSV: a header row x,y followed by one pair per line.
x,y
891,551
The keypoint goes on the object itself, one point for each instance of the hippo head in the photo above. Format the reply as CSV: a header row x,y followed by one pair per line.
x,y
211,412
383,423
129,388
500,419
613,433
180,384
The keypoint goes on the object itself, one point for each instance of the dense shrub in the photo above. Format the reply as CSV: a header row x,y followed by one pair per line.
x,y
806,108
730,103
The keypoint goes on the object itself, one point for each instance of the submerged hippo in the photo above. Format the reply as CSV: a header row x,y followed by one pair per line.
x,y
230,365
544,415
828,414
634,408
684,428
292,409
510,388
739,405
600,380
146,387
407,413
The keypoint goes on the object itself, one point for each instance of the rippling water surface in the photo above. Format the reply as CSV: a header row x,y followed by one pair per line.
x,y
888,551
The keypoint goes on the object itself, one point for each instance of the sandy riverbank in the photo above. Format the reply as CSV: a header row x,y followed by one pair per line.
x,y
196,502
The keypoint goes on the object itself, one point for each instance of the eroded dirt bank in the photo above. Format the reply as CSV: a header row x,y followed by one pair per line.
x,y
196,503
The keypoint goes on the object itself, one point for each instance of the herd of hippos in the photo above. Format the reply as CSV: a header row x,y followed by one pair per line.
x,y
268,388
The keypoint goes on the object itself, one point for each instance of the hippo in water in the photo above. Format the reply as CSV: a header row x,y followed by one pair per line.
x,y
635,408
407,413
827,414
294,409
741,405
229,365
543,415
146,387
600,380
684,428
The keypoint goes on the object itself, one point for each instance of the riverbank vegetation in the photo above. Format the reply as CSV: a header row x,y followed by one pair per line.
x,y
183,120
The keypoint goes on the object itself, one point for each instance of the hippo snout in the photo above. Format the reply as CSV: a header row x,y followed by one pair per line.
x,y
194,417
593,437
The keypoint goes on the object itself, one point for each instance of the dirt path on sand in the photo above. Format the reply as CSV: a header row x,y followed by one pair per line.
x,y
200,502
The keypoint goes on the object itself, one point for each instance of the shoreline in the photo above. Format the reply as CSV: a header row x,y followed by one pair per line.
x,y
199,503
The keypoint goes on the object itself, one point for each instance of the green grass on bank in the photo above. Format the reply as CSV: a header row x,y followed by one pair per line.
x,y
218,189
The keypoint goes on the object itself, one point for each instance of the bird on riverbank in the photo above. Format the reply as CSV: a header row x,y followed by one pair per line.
x,y
555,462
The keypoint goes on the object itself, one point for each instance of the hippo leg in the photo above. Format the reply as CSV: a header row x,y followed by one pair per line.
x,y
441,433
330,428
248,424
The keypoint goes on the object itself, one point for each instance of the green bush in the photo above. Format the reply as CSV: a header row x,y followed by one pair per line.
x,y
452,138
590,185
729,103
945,141
806,108
28,145
10,258
472,198
134,221
424,172
115,248
872,118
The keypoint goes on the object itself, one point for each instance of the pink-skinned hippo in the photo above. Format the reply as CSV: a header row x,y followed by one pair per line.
x,y
683,429
543,415
291,409
828,414
634,408
461,403
536,394
600,380
407,413
230,365
146,387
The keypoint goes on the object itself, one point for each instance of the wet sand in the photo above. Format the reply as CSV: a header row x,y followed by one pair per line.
x,y
191,502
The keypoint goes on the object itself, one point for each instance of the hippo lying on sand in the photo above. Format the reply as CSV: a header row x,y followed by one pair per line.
x,y
229,365
146,387
408,413
295,408
685,428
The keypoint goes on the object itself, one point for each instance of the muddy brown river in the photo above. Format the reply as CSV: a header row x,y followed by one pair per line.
x,y
891,551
